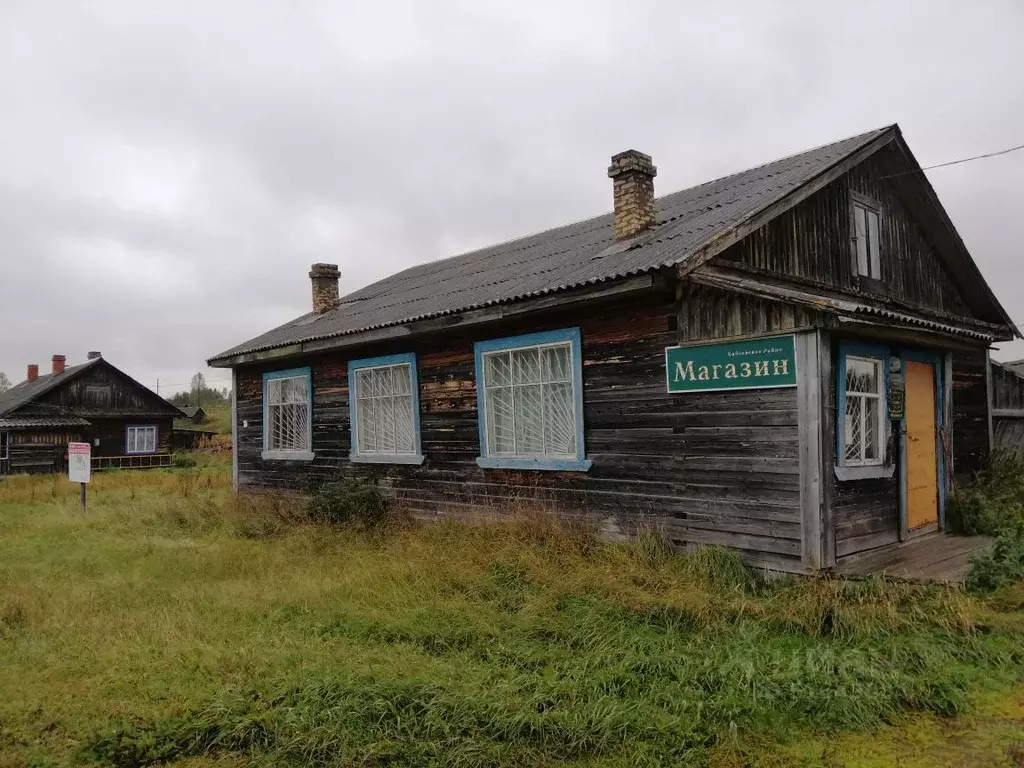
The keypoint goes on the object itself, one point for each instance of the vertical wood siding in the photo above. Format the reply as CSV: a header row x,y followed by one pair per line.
x,y
812,243
1007,396
970,414
719,467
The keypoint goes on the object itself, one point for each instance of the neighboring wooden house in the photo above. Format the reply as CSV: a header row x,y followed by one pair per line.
x,y
194,413
127,424
725,364
1007,385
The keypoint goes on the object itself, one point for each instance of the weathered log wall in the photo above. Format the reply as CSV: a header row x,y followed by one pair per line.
x,y
719,467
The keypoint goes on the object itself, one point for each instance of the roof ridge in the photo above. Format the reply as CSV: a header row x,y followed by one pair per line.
x,y
563,257
578,222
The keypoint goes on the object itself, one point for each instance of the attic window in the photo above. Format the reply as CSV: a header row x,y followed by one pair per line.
x,y
867,247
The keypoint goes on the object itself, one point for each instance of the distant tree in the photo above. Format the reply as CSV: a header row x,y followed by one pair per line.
x,y
198,385
5,383
200,394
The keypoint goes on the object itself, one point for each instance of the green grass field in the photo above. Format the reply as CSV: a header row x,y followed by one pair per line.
x,y
170,623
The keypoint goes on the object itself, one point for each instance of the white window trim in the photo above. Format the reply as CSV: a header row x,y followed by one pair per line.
x,y
854,470
5,445
878,395
140,429
277,454
415,456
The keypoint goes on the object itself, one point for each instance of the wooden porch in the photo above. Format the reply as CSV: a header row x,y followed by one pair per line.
x,y
936,557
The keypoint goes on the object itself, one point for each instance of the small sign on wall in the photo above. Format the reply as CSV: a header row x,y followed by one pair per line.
x,y
750,364
79,462
896,390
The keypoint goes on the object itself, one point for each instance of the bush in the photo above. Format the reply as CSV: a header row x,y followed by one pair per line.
x,y
183,460
994,502
349,503
999,566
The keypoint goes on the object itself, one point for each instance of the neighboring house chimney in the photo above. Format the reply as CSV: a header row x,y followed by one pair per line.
x,y
93,355
325,287
33,372
58,364
632,175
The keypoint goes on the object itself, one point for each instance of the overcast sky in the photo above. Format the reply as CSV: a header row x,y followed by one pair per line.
x,y
169,170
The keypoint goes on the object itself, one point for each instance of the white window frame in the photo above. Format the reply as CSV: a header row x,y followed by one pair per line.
x,y
872,267
132,435
5,445
359,453
305,452
569,338
879,396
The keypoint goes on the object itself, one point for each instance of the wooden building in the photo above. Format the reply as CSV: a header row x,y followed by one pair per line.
x,y
790,361
127,424
1007,393
194,413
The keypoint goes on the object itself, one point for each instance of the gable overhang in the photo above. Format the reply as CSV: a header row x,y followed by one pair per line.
x,y
163,408
947,243
846,310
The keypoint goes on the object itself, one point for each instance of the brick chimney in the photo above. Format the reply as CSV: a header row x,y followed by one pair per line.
x,y
33,372
93,355
632,174
58,364
325,286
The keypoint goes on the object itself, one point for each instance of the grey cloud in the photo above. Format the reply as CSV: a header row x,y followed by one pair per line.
x,y
169,170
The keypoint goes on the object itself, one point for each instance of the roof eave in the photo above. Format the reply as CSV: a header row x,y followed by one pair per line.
x,y
614,287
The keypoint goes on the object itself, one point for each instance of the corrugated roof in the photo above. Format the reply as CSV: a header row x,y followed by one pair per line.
x,y
27,422
566,257
842,306
27,391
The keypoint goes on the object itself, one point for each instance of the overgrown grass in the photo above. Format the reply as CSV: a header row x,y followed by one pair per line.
x,y
171,621
993,505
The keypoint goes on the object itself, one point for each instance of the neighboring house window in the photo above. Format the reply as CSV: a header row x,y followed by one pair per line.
x,y
287,422
384,410
141,439
97,396
866,239
530,398
862,411
5,446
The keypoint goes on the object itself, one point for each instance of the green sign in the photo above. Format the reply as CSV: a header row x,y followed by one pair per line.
x,y
751,364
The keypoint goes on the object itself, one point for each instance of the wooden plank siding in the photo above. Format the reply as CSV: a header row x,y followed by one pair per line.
x,y
716,467
1007,409
970,432
811,244
39,450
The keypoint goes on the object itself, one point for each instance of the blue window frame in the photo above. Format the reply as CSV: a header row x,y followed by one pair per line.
x,y
288,415
384,410
529,393
862,423
140,438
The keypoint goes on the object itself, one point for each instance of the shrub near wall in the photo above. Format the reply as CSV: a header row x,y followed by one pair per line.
x,y
994,506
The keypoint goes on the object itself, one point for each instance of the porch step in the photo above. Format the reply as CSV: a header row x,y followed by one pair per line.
x,y
939,558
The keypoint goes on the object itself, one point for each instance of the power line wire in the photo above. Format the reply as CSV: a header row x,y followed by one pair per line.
x,y
957,162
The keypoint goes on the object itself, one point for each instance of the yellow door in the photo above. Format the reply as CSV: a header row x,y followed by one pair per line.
x,y
922,470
